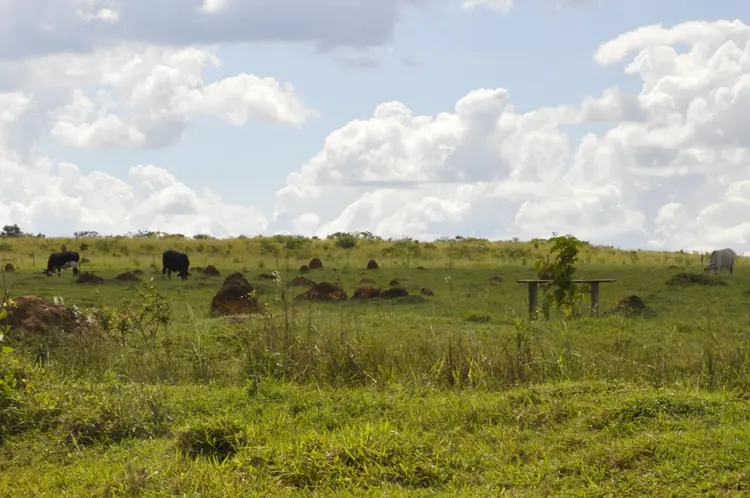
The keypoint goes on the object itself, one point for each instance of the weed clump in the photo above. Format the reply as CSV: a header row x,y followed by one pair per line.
x,y
641,409
683,279
219,439
478,317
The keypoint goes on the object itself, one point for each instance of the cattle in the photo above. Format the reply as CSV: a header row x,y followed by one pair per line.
x,y
178,262
722,258
60,261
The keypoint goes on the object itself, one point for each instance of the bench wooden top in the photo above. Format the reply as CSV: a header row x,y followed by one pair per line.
x,y
581,281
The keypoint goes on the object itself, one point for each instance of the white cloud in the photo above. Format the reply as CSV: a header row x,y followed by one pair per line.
x,y
130,96
53,26
671,171
58,198
503,6
139,96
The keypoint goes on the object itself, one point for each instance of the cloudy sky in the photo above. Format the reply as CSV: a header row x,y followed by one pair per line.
x,y
621,122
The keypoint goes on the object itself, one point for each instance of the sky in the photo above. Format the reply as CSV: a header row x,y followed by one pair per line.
x,y
622,123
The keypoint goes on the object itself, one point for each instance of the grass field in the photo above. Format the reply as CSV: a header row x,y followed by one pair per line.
x,y
455,394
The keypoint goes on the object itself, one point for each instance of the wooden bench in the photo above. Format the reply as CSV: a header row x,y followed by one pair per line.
x,y
534,292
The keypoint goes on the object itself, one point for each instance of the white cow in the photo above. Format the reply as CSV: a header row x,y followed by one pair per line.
x,y
722,258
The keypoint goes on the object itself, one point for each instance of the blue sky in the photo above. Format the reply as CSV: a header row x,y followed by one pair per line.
x,y
542,53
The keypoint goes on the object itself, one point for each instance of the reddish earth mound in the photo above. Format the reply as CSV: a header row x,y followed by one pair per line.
x,y
128,276
426,292
366,292
394,282
266,276
372,265
38,315
304,269
89,278
9,268
211,271
393,293
315,264
234,298
631,304
324,291
234,277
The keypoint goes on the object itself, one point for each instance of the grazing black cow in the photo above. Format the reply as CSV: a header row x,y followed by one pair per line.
x,y
60,261
173,261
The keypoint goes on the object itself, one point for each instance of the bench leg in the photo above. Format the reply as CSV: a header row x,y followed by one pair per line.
x,y
594,298
533,300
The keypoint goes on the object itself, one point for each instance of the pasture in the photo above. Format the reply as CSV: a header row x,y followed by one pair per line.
x,y
451,394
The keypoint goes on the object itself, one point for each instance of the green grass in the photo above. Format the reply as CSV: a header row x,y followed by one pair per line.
x,y
455,394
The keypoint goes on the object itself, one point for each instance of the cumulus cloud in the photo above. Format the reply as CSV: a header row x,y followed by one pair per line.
x,y
56,198
137,96
669,171
53,26
130,96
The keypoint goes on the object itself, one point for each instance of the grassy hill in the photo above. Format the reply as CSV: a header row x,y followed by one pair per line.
x,y
452,394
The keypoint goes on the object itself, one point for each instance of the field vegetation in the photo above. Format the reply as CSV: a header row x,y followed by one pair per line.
x,y
449,391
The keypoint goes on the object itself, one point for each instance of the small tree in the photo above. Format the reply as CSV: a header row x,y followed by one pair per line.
x,y
346,241
564,294
11,231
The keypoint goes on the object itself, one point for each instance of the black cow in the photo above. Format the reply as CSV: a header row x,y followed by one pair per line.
x,y
61,260
173,261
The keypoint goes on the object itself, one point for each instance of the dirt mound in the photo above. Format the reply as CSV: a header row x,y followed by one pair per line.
x,y
366,292
421,268
426,292
323,291
372,265
676,267
234,297
9,268
266,276
139,273
367,281
315,264
304,269
394,282
682,279
393,293
301,282
38,315
631,304
89,278
211,271
234,277
495,279
128,276
84,260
